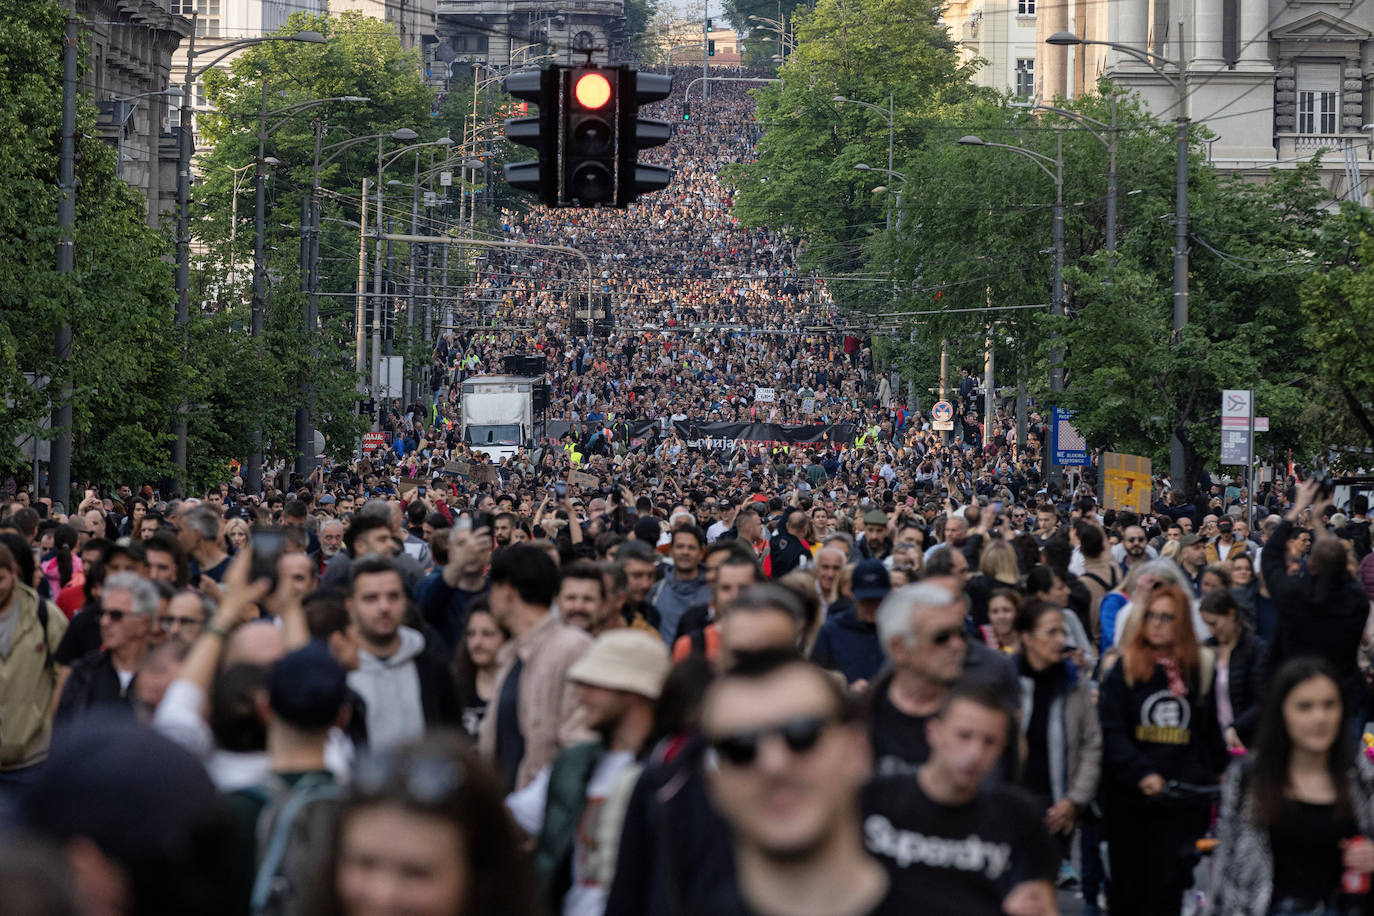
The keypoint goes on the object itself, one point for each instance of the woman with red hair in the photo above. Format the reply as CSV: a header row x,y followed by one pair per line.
x,y
1159,732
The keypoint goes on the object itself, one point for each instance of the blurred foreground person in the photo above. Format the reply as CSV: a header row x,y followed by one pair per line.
x,y
137,819
784,766
425,832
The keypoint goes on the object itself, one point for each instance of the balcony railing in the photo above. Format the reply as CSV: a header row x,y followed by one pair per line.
x,y
1295,145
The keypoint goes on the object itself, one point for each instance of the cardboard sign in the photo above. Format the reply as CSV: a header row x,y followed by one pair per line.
x,y
583,480
764,394
405,484
457,468
484,473
1126,482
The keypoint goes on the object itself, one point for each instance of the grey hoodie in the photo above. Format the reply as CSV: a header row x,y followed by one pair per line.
x,y
672,597
391,689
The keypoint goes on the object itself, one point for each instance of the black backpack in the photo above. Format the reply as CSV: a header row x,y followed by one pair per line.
x,y
295,834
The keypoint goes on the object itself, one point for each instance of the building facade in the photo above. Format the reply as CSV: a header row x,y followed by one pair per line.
x,y
1276,81
1002,35
128,53
506,34
219,21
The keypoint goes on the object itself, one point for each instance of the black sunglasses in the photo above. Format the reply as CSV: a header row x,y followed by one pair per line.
x,y
943,637
800,734
115,616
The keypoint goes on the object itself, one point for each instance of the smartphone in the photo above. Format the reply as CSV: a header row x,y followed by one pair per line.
x,y
464,523
996,505
268,544
421,491
560,487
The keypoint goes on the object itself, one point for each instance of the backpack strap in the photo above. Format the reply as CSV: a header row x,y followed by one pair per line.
x,y
698,641
310,788
48,665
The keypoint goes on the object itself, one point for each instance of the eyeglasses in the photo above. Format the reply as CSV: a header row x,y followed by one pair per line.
x,y
942,637
1152,617
115,616
167,624
800,735
426,780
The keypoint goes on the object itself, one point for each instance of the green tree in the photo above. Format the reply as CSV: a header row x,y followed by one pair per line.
x,y
119,300
1338,309
255,385
804,177
1135,381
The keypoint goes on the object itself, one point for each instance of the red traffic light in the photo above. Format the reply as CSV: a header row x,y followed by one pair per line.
x,y
592,91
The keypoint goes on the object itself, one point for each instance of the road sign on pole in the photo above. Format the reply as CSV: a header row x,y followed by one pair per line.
x,y
942,416
1068,448
1237,416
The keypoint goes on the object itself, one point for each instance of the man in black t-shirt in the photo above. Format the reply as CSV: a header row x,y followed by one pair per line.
x,y
784,767
959,845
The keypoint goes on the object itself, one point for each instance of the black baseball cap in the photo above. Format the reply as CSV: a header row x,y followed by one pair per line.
x,y
308,687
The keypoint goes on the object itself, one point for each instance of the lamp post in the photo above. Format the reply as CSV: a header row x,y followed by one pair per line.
x,y
1109,140
184,152
786,42
125,111
253,470
377,298
1056,174
317,164
891,125
1181,122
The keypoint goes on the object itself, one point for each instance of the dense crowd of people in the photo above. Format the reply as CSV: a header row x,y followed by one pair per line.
x,y
642,674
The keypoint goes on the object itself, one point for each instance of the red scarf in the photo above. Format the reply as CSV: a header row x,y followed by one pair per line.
x,y
1170,666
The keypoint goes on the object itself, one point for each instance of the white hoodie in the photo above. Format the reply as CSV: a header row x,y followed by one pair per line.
x,y
391,689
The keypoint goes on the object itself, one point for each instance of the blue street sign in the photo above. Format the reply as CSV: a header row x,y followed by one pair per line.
x,y
1068,448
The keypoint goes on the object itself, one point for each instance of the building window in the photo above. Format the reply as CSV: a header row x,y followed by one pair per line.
x,y
1025,7
1319,98
207,25
1025,75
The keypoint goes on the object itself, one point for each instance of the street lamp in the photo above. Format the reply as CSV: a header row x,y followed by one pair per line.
x,y
377,298
786,41
1056,174
184,151
891,125
253,470
125,112
1109,141
1181,121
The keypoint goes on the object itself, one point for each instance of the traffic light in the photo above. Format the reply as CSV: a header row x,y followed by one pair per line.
x,y
711,48
539,131
638,133
686,111
590,100
588,133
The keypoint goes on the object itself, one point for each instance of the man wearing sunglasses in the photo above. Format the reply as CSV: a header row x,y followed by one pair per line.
x,y
922,631
949,838
128,608
784,767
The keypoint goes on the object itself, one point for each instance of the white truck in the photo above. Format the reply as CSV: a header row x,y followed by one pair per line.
x,y
498,413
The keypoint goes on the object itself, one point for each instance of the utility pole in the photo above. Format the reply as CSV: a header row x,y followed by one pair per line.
x,y
1177,471
360,318
413,372
252,478
60,458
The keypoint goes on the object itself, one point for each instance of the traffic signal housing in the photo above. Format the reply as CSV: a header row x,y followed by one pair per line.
x,y
588,134
539,131
591,96
638,133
